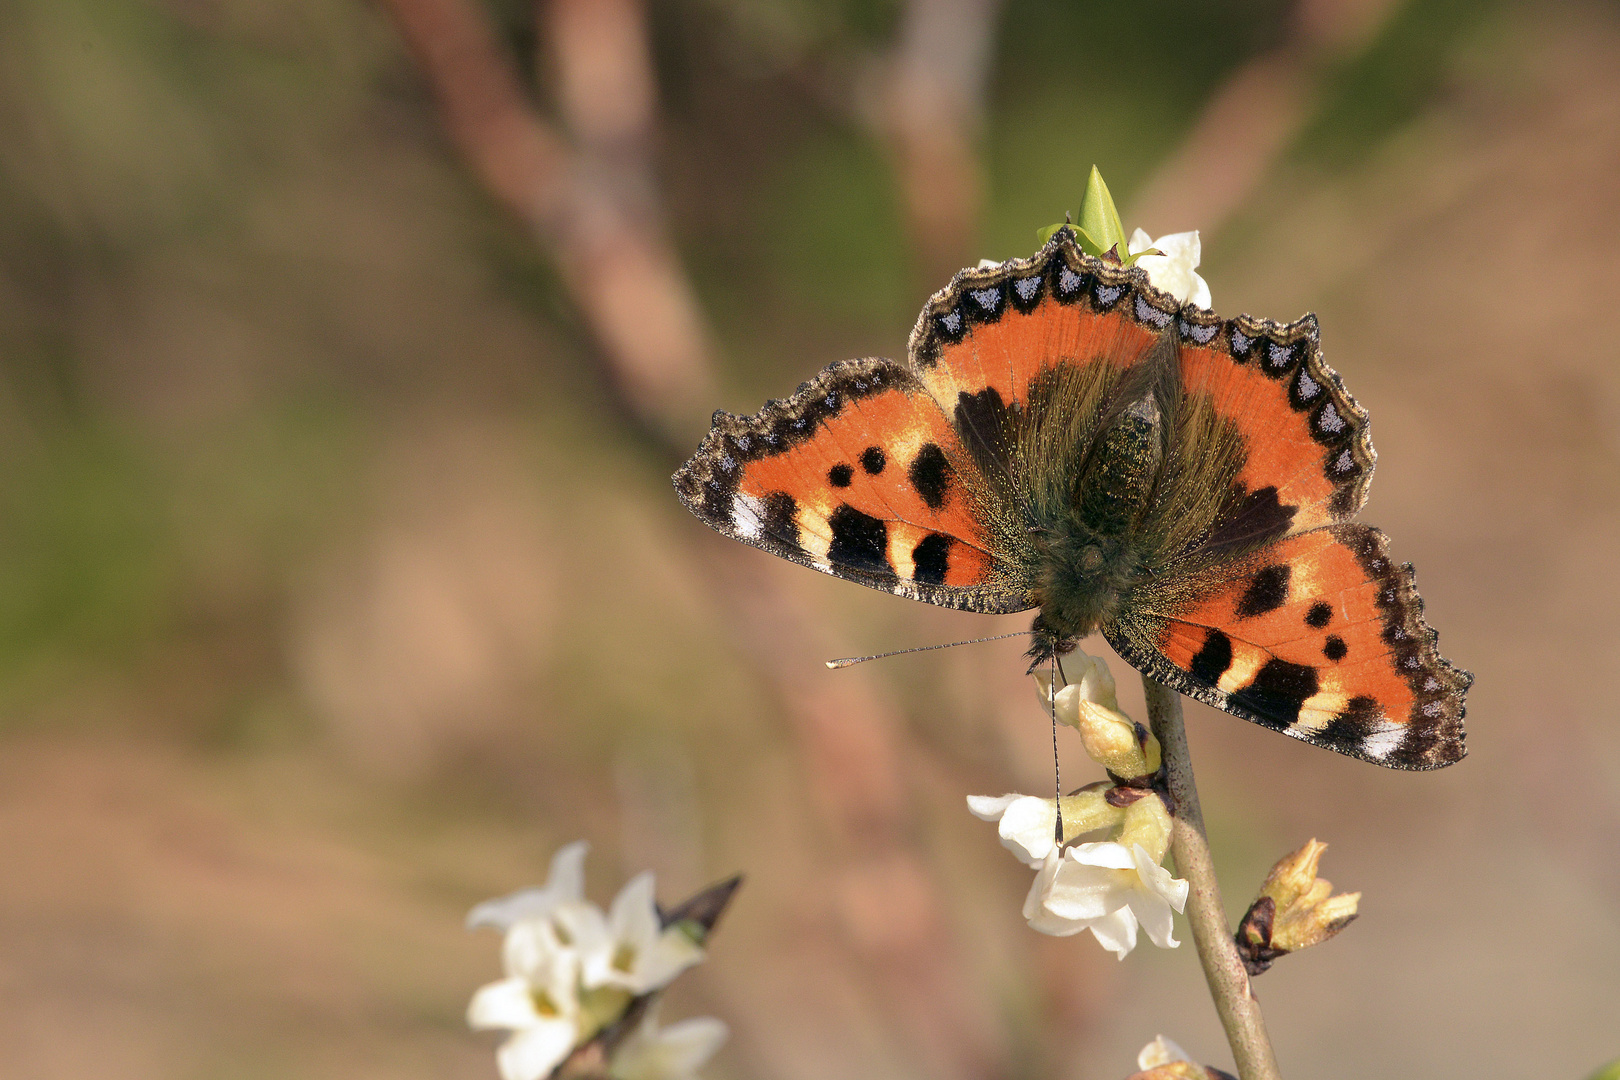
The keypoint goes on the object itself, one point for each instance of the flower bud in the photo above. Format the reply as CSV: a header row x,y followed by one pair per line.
x,y
1147,822
1162,1059
1295,910
1114,741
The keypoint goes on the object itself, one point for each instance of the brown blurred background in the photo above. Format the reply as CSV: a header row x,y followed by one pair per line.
x,y
346,349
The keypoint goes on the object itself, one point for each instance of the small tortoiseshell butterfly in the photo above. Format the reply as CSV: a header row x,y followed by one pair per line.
x,y
1067,437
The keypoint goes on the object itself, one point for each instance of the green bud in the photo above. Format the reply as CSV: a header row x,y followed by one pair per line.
x,y
1100,228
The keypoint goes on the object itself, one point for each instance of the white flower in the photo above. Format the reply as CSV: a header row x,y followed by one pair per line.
x,y
1160,1052
676,1052
1174,269
1107,889
537,1001
1028,825
564,885
629,948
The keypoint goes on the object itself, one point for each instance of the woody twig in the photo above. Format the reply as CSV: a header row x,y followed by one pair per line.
x,y
1217,951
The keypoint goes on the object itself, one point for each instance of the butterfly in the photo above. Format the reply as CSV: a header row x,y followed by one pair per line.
x,y
1068,438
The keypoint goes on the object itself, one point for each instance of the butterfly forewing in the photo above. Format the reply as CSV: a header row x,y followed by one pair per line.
x,y
859,474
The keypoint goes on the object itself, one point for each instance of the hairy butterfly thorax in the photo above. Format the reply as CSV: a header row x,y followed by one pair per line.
x,y
1068,438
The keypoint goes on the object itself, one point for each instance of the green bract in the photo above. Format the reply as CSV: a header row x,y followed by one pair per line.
x,y
1099,230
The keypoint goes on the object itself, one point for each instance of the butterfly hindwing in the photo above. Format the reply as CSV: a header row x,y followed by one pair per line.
x,y
860,475
1320,636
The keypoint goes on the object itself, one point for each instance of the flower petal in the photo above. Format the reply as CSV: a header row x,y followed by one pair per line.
x,y
1200,294
633,918
1153,913
673,1053
1161,1051
1157,878
1115,932
1029,828
565,883
1081,891
670,955
504,1004
533,1052
1104,853
990,807
530,947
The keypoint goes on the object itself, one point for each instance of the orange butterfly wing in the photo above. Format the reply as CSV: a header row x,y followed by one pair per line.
x,y
860,475
1320,636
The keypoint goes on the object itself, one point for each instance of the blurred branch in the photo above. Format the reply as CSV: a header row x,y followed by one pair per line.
x,y
593,204
1252,118
932,112
593,201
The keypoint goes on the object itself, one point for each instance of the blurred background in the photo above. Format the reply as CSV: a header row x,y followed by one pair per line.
x,y
346,349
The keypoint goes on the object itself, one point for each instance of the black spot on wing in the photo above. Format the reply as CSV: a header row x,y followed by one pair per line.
x,y
930,475
1025,293
1320,615
1306,391
859,541
1277,359
781,517
1242,344
840,476
1278,691
873,460
1211,661
1068,284
986,303
1104,296
952,326
985,424
1267,591
1249,519
1335,649
1361,718
931,558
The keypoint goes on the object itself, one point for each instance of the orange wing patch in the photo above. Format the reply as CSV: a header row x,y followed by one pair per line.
x,y
859,475
1322,637
1307,438
999,328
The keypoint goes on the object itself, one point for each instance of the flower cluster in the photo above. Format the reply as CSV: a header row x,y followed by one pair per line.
x,y
575,974
1112,886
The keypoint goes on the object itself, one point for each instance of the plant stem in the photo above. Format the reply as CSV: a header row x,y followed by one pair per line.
x,y
1223,968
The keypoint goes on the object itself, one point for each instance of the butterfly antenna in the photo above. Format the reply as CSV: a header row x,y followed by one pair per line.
x,y
1057,770
851,661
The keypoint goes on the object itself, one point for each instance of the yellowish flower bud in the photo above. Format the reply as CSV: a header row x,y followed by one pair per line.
x,y
1162,1059
1295,910
1088,810
1147,822
1114,741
